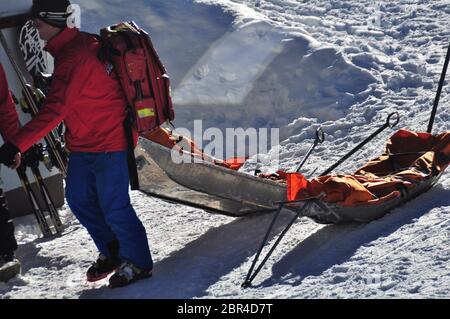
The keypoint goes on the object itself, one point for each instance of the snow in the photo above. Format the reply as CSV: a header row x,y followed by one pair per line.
x,y
295,65
15,8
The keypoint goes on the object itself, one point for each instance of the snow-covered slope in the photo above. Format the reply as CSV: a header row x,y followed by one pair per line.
x,y
343,65
15,8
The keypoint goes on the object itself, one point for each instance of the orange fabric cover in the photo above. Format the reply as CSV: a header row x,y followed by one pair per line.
x,y
297,182
409,158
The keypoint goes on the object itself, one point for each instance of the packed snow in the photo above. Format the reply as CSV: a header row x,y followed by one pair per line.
x,y
293,65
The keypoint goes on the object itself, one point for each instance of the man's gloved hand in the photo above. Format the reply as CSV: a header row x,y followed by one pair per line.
x,y
8,154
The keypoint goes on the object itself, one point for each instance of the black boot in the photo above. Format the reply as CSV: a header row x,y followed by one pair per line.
x,y
105,265
128,273
9,265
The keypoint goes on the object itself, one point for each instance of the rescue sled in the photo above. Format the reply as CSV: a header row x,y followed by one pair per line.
x,y
203,184
411,164
329,213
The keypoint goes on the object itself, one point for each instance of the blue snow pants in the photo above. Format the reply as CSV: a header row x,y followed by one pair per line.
x,y
97,194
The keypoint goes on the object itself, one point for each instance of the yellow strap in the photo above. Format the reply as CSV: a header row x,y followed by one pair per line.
x,y
146,112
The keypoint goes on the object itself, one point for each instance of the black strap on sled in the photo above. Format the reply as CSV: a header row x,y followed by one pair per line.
x,y
391,121
439,91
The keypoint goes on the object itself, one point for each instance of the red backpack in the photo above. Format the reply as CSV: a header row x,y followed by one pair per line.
x,y
141,73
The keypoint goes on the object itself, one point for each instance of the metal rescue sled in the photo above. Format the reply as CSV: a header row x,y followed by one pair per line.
x,y
205,185
216,189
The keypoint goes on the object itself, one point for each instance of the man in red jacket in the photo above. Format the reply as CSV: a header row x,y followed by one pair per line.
x,y
91,103
9,125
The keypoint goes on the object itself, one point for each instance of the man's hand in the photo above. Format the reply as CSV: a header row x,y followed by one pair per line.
x,y
10,155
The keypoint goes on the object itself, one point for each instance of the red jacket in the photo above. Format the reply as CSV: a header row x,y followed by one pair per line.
x,y
9,121
90,101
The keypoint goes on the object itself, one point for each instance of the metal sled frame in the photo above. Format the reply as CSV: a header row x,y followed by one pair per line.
x,y
201,184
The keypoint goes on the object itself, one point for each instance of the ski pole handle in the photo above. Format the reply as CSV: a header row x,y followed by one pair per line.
x,y
320,138
393,123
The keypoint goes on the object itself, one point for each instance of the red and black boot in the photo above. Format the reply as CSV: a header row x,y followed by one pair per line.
x,y
104,265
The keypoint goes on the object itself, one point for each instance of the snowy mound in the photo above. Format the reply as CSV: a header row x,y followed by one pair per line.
x,y
278,77
181,30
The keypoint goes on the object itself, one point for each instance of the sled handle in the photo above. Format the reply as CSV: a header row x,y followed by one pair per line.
x,y
320,135
396,120
320,138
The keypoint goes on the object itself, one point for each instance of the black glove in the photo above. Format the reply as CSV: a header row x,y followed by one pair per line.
x,y
7,153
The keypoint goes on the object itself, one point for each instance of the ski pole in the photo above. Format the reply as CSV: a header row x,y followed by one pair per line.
x,y
38,212
32,159
320,138
307,203
391,122
250,277
439,91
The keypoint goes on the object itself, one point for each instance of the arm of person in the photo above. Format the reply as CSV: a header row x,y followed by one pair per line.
x,y
66,88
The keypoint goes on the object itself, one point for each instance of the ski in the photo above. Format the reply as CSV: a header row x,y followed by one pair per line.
x,y
31,48
38,212
35,59
55,150
36,63
32,159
